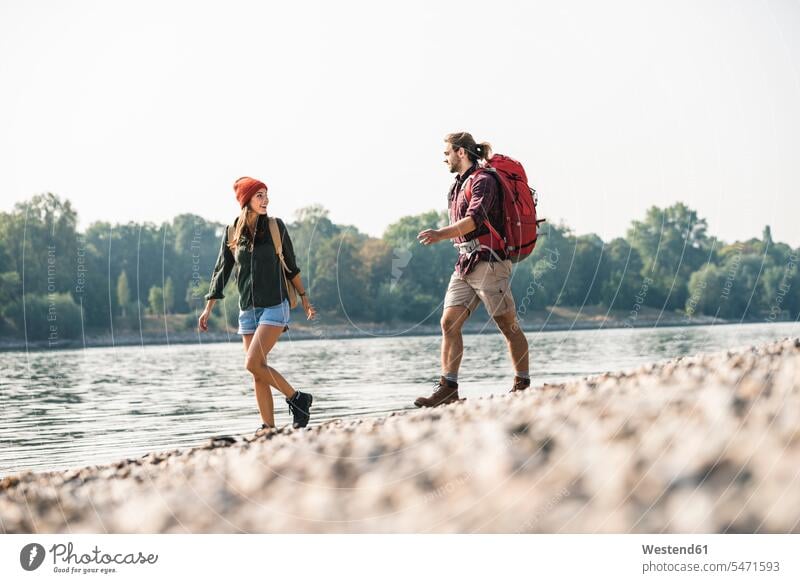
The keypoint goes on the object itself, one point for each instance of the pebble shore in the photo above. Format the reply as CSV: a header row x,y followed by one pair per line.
x,y
707,444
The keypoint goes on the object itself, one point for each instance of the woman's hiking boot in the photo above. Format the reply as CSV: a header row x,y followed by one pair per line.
x,y
264,430
444,393
300,407
520,384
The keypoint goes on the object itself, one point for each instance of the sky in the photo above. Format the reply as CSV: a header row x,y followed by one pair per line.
x,y
140,111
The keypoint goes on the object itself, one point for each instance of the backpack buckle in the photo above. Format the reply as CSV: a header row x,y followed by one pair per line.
x,y
467,248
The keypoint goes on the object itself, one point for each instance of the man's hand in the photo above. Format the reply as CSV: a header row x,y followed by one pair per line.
x,y
458,229
429,236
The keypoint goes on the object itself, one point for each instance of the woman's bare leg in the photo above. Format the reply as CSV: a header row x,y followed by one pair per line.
x,y
257,347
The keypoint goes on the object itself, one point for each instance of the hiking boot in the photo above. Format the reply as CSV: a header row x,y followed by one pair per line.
x,y
264,430
520,384
300,407
444,392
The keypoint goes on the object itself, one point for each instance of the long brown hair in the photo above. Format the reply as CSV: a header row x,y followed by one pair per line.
x,y
245,224
475,151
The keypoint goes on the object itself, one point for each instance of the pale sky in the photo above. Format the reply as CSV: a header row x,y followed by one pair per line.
x,y
145,110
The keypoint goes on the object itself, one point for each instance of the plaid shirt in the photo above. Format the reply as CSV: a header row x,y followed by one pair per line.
x,y
484,204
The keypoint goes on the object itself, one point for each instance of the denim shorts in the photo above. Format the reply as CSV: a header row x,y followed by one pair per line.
x,y
251,318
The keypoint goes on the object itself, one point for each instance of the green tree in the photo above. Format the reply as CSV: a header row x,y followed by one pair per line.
x,y
376,259
39,242
745,298
138,249
620,275
194,244
195,292
311,229
705,291
155,300
582,286
340,286
51,317
169,296
9,291
673,244
418,274
541,279
114,268
123,292
781,285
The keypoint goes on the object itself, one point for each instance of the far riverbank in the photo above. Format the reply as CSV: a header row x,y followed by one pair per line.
x,y
552,320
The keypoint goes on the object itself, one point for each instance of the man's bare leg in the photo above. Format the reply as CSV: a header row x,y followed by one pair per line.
x,y
515,337
452,342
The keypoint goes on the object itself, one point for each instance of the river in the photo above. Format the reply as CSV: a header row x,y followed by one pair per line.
x,y
68,408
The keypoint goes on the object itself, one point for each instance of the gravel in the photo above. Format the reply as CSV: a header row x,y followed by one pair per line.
x,y
709,443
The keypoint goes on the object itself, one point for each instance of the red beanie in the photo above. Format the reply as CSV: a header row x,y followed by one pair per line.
x,y
245,188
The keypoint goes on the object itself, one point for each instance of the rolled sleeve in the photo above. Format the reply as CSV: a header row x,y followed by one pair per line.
x,y
484,197
288,252
222,270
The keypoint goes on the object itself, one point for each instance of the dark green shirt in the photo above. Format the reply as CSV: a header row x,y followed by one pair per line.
x,y
259,273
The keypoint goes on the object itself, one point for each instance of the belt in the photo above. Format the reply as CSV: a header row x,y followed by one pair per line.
x,y
469,247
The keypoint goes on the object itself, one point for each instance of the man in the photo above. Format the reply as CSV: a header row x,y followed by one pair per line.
x,y
482,272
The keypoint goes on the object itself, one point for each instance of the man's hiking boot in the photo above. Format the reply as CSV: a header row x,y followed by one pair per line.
x,y
300,406
444,392
520,384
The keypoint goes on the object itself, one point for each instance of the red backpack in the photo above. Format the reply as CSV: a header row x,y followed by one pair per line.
x,y
519,209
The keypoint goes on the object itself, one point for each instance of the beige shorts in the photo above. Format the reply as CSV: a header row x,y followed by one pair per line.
x,y
489,283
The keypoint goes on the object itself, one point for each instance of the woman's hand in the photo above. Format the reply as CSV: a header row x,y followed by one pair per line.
x,y
310,311
202,323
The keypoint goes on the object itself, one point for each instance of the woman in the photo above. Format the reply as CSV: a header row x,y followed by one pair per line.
x,y
263,303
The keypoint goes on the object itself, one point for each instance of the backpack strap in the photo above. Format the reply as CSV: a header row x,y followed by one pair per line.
x,y
230,230
278,243
276,240
468,196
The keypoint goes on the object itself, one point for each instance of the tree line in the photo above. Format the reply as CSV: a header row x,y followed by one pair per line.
x,y
56,282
